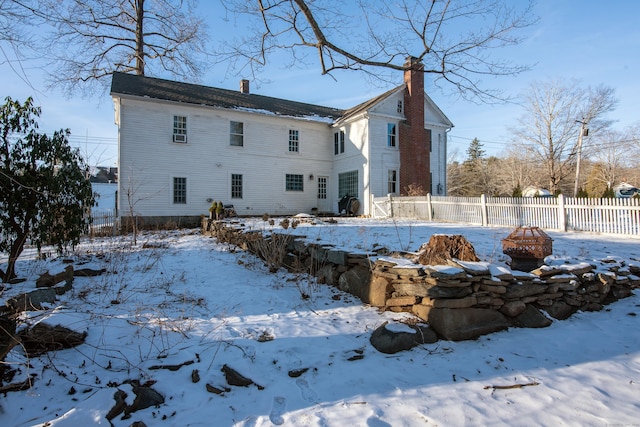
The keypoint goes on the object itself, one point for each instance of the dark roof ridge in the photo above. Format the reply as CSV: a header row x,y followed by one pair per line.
x,y
157,88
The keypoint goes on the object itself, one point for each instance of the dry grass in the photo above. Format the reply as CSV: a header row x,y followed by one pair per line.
x,y
271,248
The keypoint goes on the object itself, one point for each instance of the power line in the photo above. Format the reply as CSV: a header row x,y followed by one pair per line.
x,y
589,142
80,139
97,140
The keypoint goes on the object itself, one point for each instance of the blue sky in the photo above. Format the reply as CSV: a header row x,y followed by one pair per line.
x,y
593,41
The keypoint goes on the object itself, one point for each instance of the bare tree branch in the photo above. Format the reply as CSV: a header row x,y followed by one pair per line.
x,y
455,40
15,42
548,129
91,39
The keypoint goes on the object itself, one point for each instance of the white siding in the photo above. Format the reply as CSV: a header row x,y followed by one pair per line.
x,y
439,124
149,160
438,162
354,158
378,158
382,157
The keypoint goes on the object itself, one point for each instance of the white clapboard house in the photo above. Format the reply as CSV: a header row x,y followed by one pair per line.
x,y
181,145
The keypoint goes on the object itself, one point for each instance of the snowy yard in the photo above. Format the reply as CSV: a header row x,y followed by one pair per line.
x,y
182,301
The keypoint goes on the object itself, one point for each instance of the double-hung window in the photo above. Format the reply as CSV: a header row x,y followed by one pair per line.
x,y
392,181
236,186
237,134
179,191
391,135
180,129
338,142
294,141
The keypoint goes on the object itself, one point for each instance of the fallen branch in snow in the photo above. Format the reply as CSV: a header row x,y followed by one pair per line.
x,y
24,385
172,367
505,387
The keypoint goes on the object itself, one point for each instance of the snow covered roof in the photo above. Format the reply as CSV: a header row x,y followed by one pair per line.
x,y
167,90
625,190
532,191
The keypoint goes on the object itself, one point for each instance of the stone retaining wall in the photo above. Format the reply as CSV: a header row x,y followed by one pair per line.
x,y
461,300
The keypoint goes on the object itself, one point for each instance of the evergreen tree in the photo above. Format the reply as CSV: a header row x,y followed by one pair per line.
x,y
475,152
474,170
608,193
44,187
517,192
582,193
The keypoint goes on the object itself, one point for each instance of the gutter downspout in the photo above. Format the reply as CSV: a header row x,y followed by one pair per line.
x,y
446,139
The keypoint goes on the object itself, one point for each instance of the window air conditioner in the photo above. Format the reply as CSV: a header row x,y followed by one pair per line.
x,y
179,137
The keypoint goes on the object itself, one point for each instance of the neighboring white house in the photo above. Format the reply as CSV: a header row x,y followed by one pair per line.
x,y
180,146
533,191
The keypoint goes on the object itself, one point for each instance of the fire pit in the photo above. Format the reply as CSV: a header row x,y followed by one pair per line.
x,y
527,247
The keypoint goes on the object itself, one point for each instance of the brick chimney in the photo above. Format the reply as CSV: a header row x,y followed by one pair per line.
x,y
414,141
244,86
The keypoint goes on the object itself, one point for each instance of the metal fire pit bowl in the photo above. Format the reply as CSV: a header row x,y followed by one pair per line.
x,y
527,247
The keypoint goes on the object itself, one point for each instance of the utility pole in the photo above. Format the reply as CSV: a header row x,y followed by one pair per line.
x,y
583,132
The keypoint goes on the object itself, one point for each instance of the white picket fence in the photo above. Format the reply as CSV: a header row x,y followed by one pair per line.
x,y
609,216
103,224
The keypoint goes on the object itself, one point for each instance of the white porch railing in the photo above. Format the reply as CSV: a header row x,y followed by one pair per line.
x,y
610,216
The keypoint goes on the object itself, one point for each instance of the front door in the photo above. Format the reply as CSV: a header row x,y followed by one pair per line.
x,y
323,201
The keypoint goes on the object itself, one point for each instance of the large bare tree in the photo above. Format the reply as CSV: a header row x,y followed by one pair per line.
x,y
91,39
610,162
616,159
554,124
517,172
456,40
633,135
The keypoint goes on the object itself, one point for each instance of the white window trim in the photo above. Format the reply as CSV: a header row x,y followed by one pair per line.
x,y
243,134
302,182
173,191
231,186
389,181
297,141
395,135
179,135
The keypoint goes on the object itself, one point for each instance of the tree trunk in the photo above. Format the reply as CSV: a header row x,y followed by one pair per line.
x,y
139,37
14,252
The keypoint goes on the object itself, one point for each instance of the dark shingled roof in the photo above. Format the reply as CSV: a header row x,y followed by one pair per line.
x,y
131,84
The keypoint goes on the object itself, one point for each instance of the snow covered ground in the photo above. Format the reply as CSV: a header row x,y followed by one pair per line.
x,y
182,299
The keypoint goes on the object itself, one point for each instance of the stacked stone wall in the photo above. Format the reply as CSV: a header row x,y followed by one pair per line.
x,y
461,300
